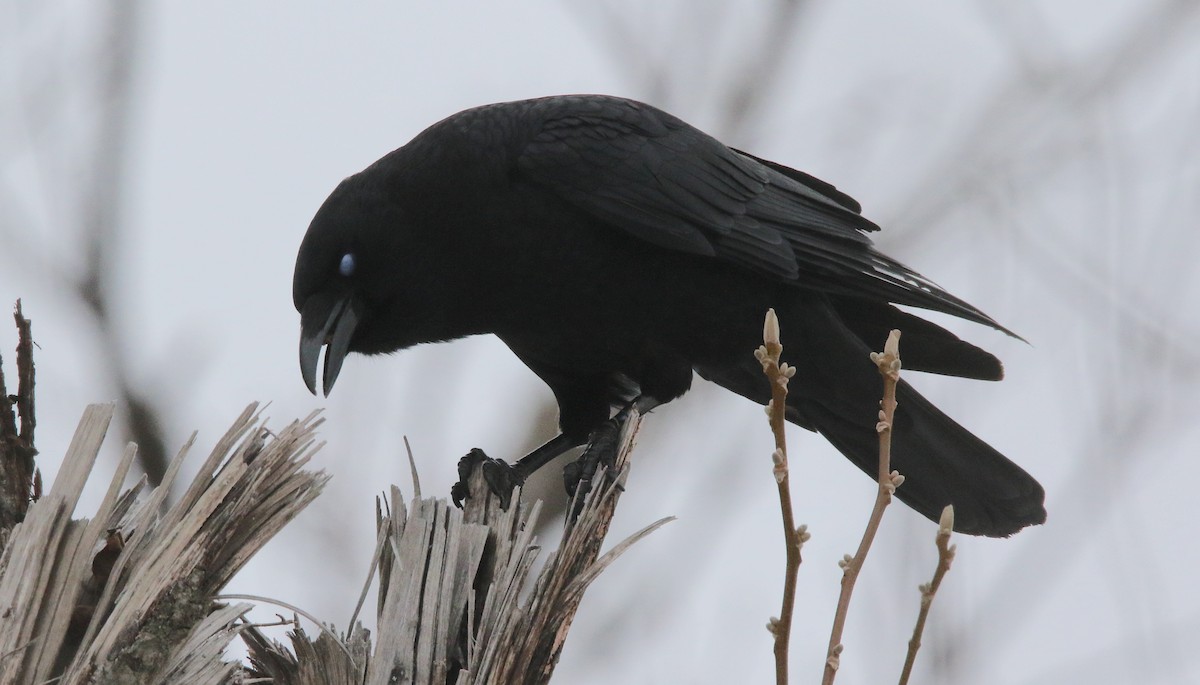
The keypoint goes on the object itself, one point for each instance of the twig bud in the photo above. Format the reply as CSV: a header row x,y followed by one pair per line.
x,y
771,328
892,346
889,360
834,660
946,523
773,625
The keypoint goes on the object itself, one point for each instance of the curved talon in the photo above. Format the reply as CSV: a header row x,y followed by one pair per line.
x,y
602,448
500,476
502,479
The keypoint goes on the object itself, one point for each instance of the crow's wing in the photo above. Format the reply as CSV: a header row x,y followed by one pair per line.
x,y
646,172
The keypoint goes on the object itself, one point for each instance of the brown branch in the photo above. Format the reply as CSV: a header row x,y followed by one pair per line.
x,y
742,92
25,372
889,367
945,558
750,87
102,217
19,478
95,218
794,538
1018,111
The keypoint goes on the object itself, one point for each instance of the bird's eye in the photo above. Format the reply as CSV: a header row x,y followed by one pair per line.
x,y
346,266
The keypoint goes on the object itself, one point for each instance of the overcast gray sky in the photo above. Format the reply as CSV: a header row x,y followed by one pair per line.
x,y
1040,160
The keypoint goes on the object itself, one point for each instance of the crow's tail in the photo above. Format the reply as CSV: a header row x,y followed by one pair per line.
x,y
837,390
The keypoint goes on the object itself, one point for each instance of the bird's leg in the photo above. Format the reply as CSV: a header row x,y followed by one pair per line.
x,y
501,476
602,448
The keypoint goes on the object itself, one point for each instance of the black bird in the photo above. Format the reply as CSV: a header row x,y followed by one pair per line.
x,y
616,250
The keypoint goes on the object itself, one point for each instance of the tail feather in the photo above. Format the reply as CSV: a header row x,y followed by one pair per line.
x,y
836,392
927,346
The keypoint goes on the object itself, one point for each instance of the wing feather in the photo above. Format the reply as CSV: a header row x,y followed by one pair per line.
x,y
646,172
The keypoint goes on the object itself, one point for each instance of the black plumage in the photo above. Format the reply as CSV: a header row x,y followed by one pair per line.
x,y
616,250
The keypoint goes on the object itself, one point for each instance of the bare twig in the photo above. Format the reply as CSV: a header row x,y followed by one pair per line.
x,y
755,82
889,367
1020,113
25,372
19,478
742,92
794,538
96,217
945,558
102,208
290,607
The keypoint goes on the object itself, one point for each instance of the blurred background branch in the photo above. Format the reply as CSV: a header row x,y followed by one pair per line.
x,y
98,77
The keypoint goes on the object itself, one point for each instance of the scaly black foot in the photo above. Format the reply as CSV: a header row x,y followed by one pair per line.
x,y
500,476
602,448
503,477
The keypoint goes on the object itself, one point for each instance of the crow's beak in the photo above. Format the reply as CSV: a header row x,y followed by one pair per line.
x,y
328,318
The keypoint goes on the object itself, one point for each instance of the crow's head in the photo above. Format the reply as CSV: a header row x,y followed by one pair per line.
x,y
344,283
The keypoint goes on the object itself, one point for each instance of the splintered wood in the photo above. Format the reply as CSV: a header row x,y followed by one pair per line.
x,y
131,595
456,602
127,596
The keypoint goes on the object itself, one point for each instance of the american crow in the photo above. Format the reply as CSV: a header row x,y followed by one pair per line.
x,y
616,250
